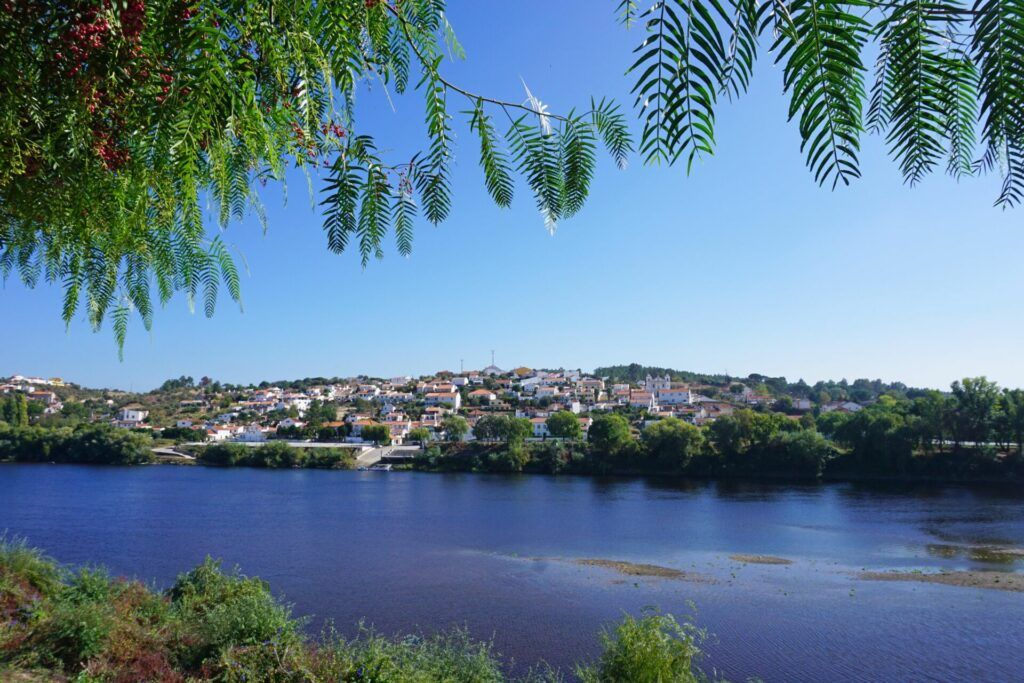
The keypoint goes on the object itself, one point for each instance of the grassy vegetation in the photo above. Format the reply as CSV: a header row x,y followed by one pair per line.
x,y
58,623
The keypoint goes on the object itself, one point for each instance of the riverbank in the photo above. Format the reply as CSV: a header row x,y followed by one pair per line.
x,y
675,450
58,622
556,457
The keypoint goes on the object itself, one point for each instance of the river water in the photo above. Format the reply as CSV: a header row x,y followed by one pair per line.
x,y
419,552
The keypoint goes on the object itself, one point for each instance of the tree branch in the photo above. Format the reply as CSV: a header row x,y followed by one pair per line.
x,y
462,91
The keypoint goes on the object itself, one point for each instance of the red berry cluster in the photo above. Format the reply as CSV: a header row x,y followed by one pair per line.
x,y
109,150
133,19
333,129
85,37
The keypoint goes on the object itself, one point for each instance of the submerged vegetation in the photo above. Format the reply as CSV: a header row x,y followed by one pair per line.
x,y
222,626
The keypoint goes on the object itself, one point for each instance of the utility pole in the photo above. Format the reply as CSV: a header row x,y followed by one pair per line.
x,y
462,368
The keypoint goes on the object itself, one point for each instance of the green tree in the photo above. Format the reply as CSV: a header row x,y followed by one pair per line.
x,y
75,410
378,434
420,435
517,430
564,425
183,382
881,438
320,412
454,427
934,411
609,433
976,401
17,410
1012,408
672,443
491,427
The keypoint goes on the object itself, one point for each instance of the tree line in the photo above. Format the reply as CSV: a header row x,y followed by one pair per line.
x,y
974,432
93,444
275,455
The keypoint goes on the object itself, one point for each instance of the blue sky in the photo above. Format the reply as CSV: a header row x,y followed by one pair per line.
x,y
744,266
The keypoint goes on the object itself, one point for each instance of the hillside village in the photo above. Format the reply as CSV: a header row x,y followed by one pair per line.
x,y
397,410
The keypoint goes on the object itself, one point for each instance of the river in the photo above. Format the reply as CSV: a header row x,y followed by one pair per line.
x,y
410,551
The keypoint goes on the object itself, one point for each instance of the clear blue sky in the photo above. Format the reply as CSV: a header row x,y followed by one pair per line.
x,y
745,266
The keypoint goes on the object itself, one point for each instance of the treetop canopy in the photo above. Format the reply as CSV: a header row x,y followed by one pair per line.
x,y
119,118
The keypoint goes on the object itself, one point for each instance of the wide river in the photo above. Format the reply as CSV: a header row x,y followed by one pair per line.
x,y
421,552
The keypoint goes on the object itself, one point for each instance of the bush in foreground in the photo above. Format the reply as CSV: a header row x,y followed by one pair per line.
x,y
213,625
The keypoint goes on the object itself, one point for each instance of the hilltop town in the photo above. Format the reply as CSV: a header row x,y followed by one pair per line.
x,y
403,409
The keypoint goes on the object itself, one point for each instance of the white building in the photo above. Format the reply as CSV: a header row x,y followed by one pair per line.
x,y
654,384
674,397
132,414
452,399
546,392
485,395
252,433
642,399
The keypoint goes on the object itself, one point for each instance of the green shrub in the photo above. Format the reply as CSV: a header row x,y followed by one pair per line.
x,y
23,568
77,623
510,459
226,610
653,649
223,454
330,459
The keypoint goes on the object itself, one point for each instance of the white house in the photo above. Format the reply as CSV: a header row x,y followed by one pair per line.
x,y
399,431
132,414
485,395
218,434
842,406
546,392
451,399
252,433
540,427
